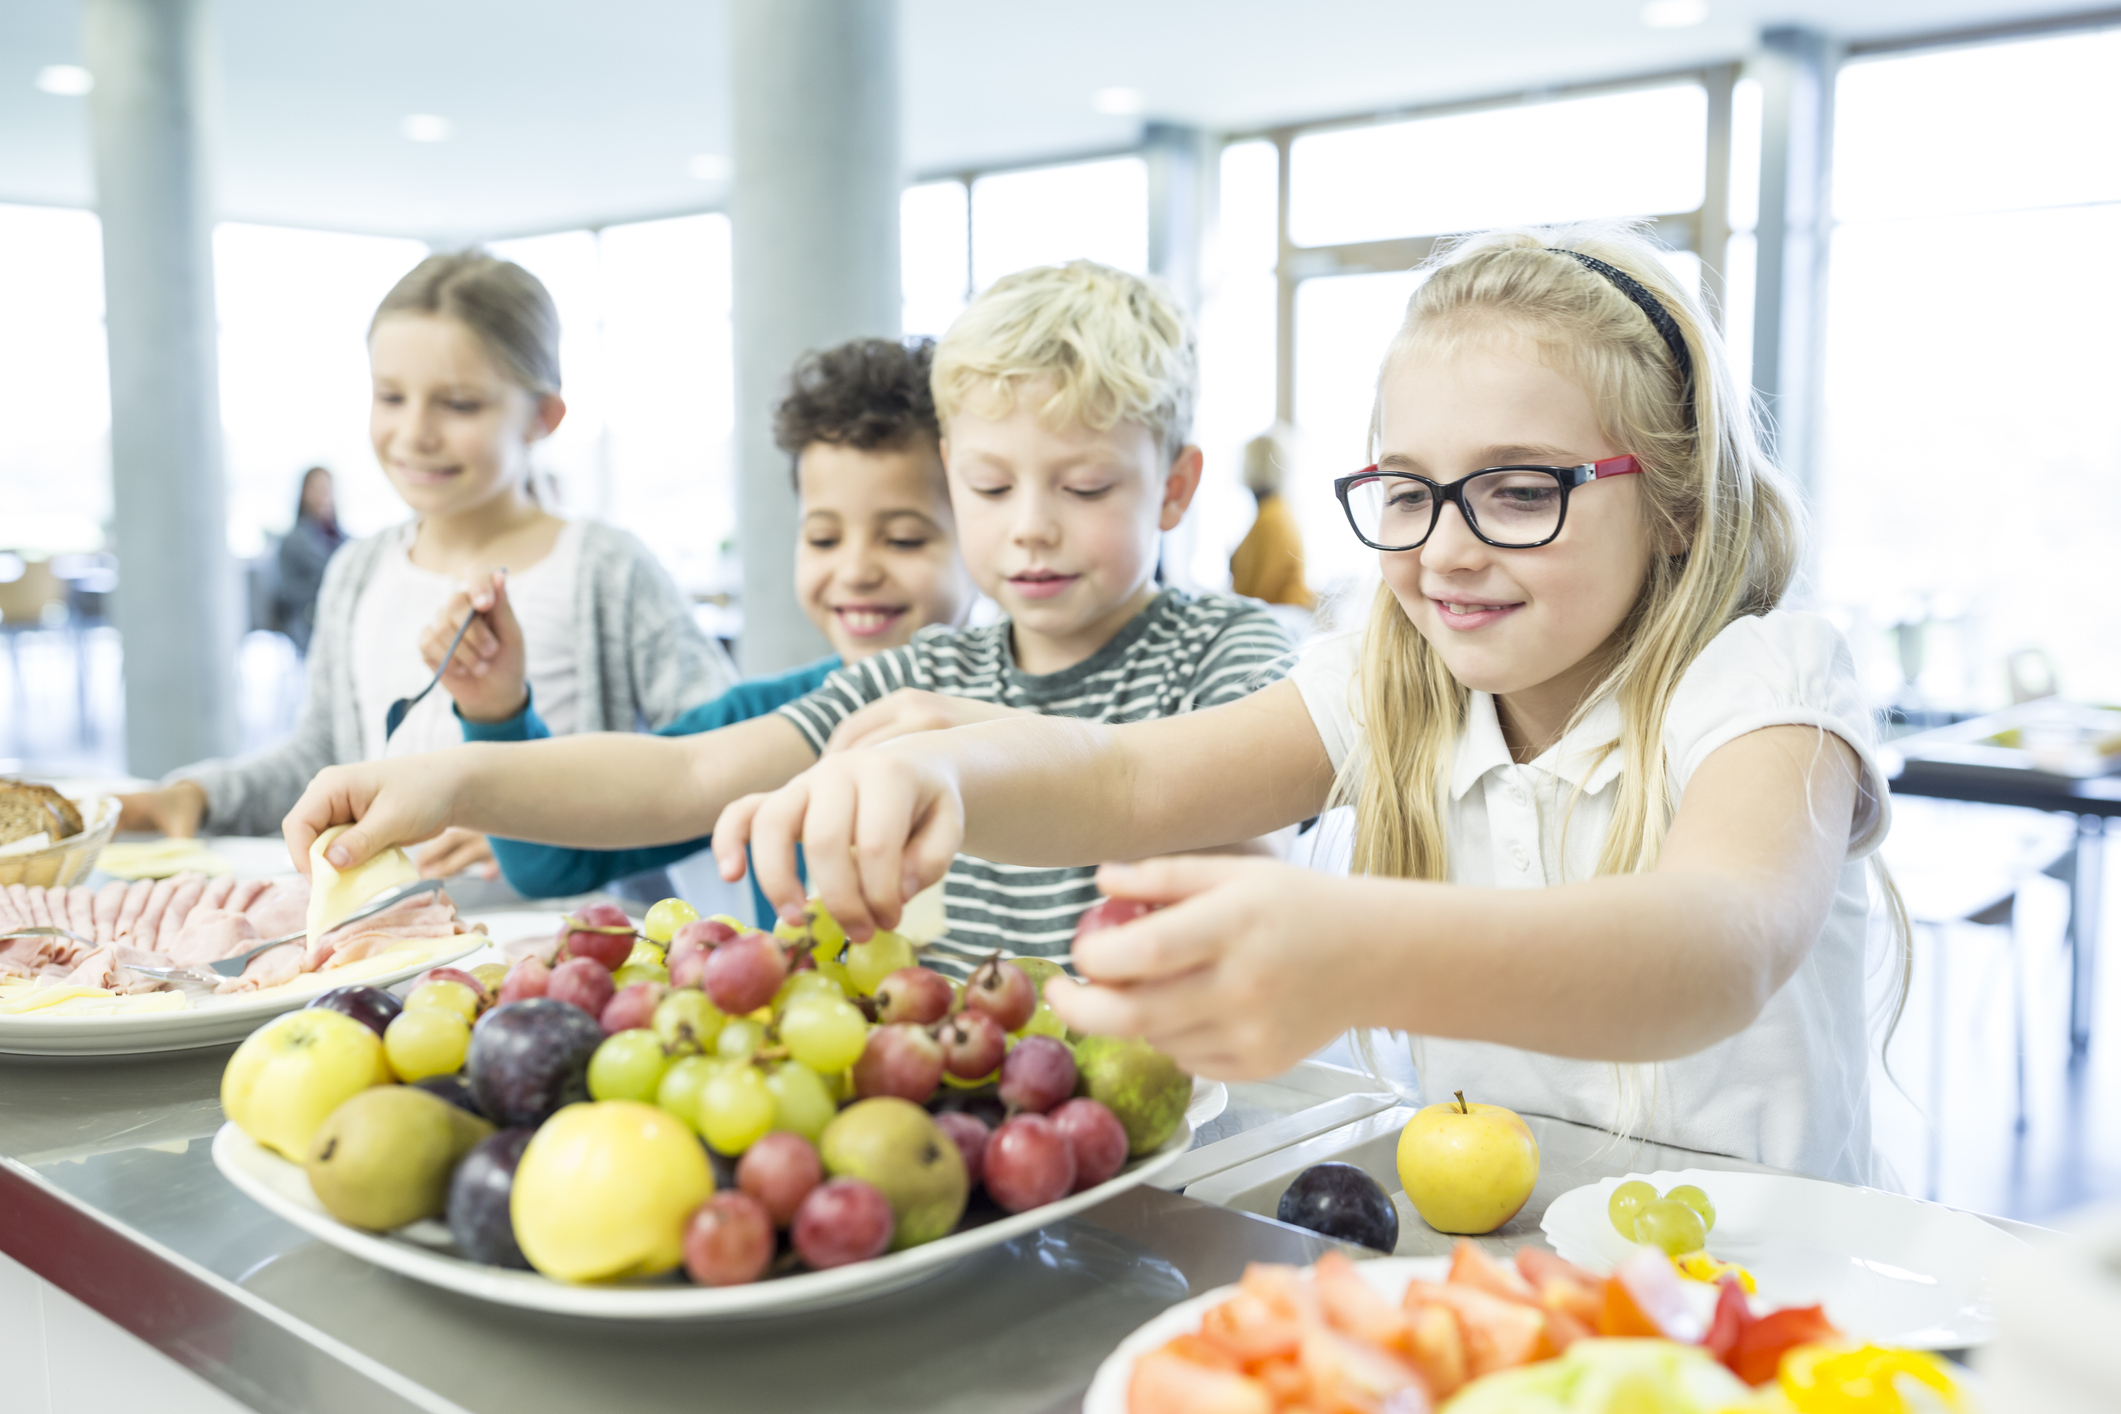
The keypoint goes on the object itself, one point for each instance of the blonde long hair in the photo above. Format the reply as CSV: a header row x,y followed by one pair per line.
x,y
1707,485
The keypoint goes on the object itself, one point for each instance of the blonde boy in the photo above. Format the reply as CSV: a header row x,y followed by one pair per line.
x,y
1065,396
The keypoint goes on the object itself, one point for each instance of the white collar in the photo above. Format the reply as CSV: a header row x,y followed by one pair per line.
x,y
1579,757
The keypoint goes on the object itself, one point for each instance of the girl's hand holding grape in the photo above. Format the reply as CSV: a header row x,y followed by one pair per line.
x,y
1248,970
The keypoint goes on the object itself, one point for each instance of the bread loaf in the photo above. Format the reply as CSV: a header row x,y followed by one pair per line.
x,y
27,809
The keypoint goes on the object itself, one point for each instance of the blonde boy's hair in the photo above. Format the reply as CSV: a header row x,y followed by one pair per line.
x,y
1708,487
1115,348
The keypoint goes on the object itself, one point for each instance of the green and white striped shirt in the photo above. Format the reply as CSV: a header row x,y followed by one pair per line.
x,y
1181,652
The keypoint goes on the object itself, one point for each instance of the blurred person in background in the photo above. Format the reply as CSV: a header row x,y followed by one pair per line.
x,y
464,356
308,547
1269,562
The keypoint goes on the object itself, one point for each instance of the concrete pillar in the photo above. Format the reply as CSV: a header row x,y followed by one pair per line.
x,y
1796,69
815,224
176,605
1182,166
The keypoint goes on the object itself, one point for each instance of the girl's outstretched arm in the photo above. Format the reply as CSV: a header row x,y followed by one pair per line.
x,y
600,790
879,825
1255,965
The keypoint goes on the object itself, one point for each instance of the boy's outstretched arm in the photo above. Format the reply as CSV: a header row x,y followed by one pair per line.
x,y
597,790
879,825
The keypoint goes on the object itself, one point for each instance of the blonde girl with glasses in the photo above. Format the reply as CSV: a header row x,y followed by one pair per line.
x,y
1612,804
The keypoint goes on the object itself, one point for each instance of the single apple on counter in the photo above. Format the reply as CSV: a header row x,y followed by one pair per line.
x,y
1467,1168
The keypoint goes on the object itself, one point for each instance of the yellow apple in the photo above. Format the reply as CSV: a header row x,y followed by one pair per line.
x,y
1467,1168
604,1189
292,1072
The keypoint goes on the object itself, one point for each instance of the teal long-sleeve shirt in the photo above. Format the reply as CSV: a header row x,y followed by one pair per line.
x,y
554,871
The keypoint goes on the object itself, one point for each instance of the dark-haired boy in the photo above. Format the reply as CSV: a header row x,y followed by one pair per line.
x,y
876,558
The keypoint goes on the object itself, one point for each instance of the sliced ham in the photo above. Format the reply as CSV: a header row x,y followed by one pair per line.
x,y
247,893
267,969
422,916
210,934
8,917
180,906
109,967
129,911
281,908
40,911
109,899
217,891
81,908
150,919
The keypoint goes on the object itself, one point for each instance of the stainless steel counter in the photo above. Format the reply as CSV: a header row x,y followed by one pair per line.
x,y
107,1191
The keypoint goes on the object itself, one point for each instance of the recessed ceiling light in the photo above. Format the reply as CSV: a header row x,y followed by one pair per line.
x,y
424,127
710,166
66,80
1674,14
1117,102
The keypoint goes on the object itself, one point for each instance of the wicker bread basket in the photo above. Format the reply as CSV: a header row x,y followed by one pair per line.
x,y
66,863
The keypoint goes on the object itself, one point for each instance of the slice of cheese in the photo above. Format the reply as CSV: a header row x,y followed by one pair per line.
x,y
335,894
922,920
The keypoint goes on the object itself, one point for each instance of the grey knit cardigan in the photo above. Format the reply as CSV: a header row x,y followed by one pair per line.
x,y
641,661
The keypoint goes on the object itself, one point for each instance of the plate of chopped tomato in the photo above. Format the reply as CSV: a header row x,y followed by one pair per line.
x,y
1478,1336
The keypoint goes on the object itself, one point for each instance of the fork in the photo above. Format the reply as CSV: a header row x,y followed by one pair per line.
x,y
395,717
233,966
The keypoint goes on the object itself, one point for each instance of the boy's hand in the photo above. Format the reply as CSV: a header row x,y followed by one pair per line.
x,y
401,801
876,828
175,810
1239,978
910,710
487,673
458,851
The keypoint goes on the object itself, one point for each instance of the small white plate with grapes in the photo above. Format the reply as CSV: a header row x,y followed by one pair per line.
x,y
1889,1269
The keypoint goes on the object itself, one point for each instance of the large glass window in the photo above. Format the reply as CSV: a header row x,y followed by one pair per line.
x,y
1633,153
1344,323
1236,362
294,309
1970,472
646,355
1043,215
935,255
55,441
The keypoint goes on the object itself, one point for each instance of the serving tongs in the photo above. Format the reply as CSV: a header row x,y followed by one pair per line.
x,y
233,966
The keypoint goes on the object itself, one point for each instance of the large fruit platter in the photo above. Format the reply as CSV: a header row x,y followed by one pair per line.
x,y
691,1118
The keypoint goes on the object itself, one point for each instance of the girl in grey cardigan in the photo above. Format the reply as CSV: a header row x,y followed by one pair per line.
x,y
465,357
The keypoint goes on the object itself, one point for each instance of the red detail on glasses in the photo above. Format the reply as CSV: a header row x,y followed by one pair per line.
x,y
1614,466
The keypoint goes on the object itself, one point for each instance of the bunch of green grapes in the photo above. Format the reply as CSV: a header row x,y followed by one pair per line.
x,y
1679,1222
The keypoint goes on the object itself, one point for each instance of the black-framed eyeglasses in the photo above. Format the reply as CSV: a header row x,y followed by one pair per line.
x,y
1509,507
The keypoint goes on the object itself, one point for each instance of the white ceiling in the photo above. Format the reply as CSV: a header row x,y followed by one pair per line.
x,y
567,114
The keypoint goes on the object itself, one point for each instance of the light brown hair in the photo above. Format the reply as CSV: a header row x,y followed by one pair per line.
x,y
506,306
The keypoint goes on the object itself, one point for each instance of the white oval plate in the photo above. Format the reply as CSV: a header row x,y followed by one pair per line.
x,y
1888,1268
1108,1389
213,1020
283,1188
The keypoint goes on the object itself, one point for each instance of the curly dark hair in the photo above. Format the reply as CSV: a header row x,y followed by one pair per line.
x,y
868,394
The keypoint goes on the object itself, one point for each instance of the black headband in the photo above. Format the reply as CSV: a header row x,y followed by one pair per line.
x,y
1660,318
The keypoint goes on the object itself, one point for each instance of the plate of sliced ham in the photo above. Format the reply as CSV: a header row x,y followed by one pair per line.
x,y
63,996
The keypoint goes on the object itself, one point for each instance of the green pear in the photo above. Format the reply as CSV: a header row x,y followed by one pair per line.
x,y
1141,1085
383,1158
895,1145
